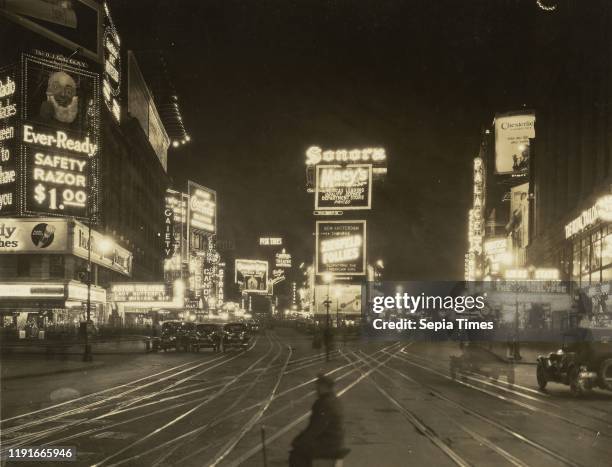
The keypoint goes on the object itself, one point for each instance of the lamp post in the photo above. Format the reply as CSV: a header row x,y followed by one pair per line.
x,y
104,247
328,279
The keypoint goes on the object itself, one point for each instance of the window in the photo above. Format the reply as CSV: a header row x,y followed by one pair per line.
x,y
23,265
56,266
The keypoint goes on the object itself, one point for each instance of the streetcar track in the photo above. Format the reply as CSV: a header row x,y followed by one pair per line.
x,y
106,427
196,430
544,398
479,438
474,413
281,431
415,421
98,405
510,400
184,414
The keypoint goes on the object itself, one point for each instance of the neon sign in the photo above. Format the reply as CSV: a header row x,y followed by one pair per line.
x,y
60,140
202,208
602,210
315,155
347,187
341,247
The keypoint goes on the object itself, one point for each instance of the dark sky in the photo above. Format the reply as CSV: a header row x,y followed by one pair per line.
x,y
259,81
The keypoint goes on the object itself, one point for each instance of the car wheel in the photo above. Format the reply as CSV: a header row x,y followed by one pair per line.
x,y
575,386
605,373
541,377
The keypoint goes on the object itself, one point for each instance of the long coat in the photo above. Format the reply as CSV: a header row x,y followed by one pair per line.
x,y
324,435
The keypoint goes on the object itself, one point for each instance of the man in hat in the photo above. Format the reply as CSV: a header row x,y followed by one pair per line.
x,y
323,438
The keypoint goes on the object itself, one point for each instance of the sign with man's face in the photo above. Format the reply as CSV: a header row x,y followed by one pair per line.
x,y
60,96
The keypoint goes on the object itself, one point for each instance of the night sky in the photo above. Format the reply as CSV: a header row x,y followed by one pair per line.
x,y
261,81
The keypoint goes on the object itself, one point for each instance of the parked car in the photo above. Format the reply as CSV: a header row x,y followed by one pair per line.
x,y
583,362
254,326
235,335
169,332
208,337
187,337
478,359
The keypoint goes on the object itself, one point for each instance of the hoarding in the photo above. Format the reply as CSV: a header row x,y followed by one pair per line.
x,y
282,259
73,24
344,299
270,241
252,274
341,248
315,155
60,138
141,106
348,187
512,134
202,208
518,225
33,236
8,128
116,258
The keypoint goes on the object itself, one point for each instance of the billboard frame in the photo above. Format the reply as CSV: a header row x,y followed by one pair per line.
x,y
365,249
317,191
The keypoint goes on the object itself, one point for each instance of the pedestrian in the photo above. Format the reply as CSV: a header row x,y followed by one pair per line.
x,y
323,438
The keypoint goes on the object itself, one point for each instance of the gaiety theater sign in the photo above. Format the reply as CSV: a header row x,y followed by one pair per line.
x,y
601,211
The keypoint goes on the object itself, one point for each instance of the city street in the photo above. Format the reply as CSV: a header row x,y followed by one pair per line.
x,y
314,233
399,402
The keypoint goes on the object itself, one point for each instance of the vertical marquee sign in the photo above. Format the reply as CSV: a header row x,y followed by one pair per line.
x,y
202,208
60,138
341,248
8,130
111,83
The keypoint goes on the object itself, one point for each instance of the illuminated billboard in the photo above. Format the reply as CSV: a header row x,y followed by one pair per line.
x,y
252,274
282,259
8,129
344,299
60,138
202,208
315,155
512,134
341,248
33,236
518,225
348,187
111,82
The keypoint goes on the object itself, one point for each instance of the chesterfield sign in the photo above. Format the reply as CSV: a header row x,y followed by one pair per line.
x,y
601,211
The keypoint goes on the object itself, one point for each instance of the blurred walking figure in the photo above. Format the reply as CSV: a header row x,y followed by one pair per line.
x,y
323,438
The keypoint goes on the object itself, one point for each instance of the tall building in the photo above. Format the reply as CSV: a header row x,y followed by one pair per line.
x,y
82,144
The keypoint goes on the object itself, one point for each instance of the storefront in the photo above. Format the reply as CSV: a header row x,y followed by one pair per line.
x,y
39,310
143,304
589,246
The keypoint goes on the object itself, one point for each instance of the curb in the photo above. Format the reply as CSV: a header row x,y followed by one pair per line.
x,y
49,373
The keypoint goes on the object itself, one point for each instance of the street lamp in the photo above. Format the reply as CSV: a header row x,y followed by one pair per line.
x,y
328,278
105,245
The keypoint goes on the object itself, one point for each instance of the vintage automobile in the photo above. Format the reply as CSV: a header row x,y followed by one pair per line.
x,y
208,337
475,358
235,335
169,331
187,337
583,362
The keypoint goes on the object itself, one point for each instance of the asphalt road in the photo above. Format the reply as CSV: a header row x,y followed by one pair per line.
x,y
401,406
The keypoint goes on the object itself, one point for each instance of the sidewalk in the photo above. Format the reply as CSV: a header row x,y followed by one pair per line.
x,y
132,344
18,367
